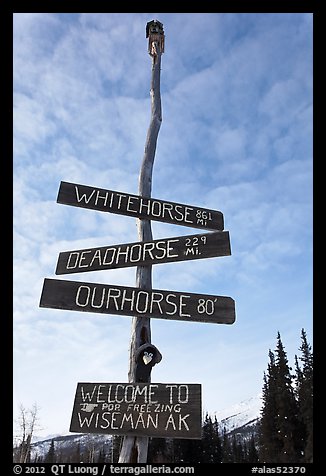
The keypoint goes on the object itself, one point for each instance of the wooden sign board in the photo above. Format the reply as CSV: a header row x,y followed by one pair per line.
x,y
128,301
145,253
139,207
138,409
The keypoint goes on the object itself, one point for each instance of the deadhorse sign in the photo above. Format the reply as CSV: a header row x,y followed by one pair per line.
x,y
144,253
166,410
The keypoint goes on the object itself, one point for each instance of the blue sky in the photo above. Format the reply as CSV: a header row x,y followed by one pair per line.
x,y
236,136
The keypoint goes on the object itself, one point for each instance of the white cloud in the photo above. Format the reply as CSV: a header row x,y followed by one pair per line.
x,y
31,123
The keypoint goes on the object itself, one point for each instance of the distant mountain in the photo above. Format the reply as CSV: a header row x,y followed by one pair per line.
x,y
66,444
240,418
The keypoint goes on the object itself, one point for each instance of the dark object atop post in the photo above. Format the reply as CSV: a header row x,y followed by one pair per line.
x,y
147,356
155,34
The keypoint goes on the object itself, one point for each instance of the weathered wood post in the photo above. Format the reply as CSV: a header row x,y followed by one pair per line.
x,y
134,449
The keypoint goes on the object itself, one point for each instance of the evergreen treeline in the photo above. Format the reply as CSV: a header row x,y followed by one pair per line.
x,y
283,434
286,425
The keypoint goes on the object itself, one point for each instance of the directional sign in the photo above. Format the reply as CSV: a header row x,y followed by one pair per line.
x,y
145,253
127,301
140,207
138,409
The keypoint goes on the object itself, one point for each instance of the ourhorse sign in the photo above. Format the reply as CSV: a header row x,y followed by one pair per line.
x,y
128,301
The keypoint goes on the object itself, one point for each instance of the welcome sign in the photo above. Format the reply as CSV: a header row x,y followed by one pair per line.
x,y
164,410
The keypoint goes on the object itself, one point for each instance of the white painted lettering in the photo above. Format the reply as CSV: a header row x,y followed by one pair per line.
x,y
190,251
109,393
167,207
138,248
120,195
151,421
140,420
99,393
116,394
144,205
86,420
182,304
122,253
103,197
171,392
130,203
111,406
83,197
187,212
179,210
160,246
138,298
170,421
106,420
80,300
130,398
97,256
115,298
140,391
113,420
87,395
106,260
82,258
170,248
97,306
182,388
151,392
182,421
111,200
73,265
185,390
156,298
127,418
172,304
157,212
126,299
148,248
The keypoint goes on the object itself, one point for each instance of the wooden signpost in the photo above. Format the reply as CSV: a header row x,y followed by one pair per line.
x,y
181,248
166,410
140,409
128,301
139,207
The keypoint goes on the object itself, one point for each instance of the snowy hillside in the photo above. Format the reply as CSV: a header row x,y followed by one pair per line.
x,y
240,415
64,444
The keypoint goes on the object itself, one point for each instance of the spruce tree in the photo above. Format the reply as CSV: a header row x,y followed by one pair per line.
x,y
237,450
211,444
279,432
252,451
270,443
287,408
101,455
304,392
217,442
115,448
76,456
227,456
158,451
50,456
186,451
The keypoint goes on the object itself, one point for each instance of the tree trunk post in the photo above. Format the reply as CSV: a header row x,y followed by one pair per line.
x,y
134,448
